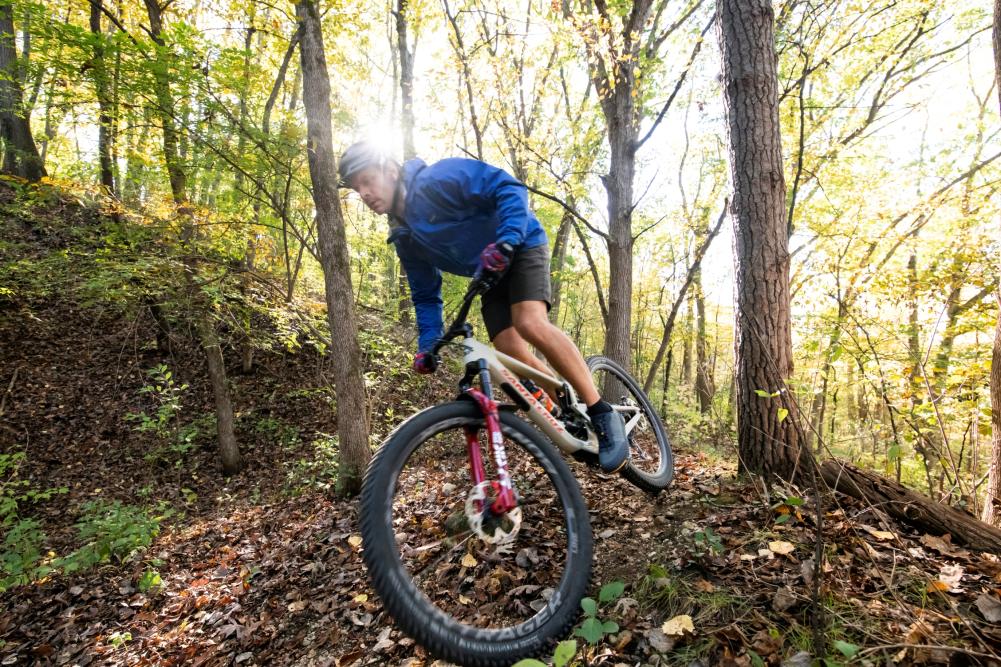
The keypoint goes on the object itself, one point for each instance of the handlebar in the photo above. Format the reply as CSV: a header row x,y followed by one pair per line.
x,y
478,285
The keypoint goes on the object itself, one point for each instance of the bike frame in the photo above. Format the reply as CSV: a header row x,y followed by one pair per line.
x,y
497,368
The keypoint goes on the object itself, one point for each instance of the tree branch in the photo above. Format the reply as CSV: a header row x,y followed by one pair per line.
x,y
689,278
677,85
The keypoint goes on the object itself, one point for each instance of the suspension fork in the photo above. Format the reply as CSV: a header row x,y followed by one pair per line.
x,y
505,500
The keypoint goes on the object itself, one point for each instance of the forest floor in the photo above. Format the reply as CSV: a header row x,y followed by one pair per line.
x,y
265,567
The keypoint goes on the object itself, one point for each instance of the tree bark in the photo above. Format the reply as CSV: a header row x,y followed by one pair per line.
x,y
818,406
667,383
686,347
352,421
403,304
21,156
99,67
617,86
992,504
171,137
911,507
406,80
770,439
703,381
229,452
559,259
204,324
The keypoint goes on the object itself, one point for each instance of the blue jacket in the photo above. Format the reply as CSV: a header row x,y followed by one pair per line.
x,y
454,209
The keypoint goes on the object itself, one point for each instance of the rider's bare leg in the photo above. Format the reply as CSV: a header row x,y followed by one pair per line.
x,y
510,342
531,322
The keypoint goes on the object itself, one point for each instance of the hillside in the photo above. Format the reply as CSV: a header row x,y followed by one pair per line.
x,y
184,566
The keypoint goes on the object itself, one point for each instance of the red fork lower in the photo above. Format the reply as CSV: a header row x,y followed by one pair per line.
x,y
505,501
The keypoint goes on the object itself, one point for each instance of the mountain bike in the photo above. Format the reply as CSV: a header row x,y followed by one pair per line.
x,y
475,533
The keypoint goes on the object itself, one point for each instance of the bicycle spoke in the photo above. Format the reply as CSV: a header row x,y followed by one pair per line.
x,y
644,448
477,583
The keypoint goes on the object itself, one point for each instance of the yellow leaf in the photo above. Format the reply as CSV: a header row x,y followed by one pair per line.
x,y
355,541
678,626
937,586
361,597
781,547
468,561
463,599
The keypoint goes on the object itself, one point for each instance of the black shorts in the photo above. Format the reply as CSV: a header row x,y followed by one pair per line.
x,y
526,280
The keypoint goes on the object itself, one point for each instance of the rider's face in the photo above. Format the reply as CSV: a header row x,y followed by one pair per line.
x,y
375,185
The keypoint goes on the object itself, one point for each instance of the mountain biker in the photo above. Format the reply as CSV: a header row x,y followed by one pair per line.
x,y
459,216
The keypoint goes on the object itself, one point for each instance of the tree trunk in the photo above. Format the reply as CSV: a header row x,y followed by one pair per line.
x,y
703,381
911,507
622,120
352,421
818,406
622,134
406,80
21,156
99,67
679,300
165,108
667,383
229,453
686,348
769,443
203,321
992,504
559,258
403,304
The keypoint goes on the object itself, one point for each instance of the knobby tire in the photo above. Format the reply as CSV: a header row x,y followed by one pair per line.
x,y
414,612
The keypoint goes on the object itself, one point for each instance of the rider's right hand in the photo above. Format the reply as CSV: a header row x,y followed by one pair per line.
x,y
496,257
425,363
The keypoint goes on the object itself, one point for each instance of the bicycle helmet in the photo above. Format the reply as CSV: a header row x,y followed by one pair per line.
x,y
358,156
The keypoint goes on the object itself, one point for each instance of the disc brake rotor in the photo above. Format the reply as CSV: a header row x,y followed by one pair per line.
x,y
500,533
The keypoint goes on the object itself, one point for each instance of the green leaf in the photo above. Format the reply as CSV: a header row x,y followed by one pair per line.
x,y
783,518
590,630
149,579
564,653
529,662
893,453
783,413
589,606
756,660
794,501
848,650
762,393
611,591
608,627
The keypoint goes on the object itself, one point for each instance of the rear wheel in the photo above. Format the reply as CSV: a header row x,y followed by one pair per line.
x,y
467,600
651,461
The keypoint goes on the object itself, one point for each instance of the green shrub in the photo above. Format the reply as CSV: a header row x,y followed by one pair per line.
x,y
111,531
21,552
174,437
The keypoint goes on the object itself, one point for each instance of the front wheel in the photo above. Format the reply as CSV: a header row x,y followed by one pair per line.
x,y
467,600
651,462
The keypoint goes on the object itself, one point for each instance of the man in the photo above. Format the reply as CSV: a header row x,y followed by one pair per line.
x,y
461,216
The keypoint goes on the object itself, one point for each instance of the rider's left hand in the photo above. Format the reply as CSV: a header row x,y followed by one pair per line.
x,y
425,363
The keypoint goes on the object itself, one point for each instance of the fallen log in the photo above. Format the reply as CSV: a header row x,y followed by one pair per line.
x,y
911,507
